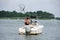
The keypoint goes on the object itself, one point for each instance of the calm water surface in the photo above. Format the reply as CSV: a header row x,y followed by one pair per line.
x,y
9,30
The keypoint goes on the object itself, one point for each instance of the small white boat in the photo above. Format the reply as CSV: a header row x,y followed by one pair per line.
x,y
31,29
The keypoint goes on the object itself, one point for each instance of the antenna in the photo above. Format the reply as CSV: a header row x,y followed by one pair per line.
x,y
22,8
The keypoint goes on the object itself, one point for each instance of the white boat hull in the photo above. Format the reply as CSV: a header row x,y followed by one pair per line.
x,y
34,30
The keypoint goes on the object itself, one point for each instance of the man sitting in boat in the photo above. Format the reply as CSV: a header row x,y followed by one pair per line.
x,y
35,23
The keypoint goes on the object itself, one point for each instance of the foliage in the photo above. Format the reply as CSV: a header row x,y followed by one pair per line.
x,y
38,14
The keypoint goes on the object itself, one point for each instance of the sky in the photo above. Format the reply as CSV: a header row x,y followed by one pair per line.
x,y
52,6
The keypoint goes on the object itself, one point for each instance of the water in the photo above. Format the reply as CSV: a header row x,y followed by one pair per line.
x,y
9,30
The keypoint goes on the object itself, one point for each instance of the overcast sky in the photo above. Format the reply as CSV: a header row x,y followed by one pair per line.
x,y
52,6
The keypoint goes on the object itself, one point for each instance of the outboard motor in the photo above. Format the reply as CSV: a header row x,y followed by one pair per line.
x,y
27,29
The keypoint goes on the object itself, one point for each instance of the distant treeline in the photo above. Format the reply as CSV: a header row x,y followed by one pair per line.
x,y
37,14
58,18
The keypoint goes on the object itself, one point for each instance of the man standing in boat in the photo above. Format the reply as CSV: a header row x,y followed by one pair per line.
x,y
27,21
27,28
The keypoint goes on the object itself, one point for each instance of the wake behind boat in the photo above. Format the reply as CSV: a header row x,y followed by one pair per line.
x,y
31,29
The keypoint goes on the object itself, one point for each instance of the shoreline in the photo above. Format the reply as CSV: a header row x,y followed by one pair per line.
x,y
19,18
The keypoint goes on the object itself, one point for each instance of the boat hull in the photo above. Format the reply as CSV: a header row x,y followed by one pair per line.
x,y
34,30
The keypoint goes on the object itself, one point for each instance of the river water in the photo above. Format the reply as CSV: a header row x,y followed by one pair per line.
x,y
9,30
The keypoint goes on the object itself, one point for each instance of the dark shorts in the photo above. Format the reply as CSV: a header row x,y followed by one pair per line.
x,y
26,23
